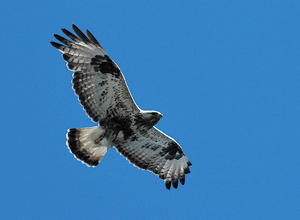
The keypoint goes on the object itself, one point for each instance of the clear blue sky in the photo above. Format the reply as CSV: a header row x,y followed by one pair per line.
x,y
225,75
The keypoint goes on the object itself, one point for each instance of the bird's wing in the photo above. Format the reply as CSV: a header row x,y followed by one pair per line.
x,y
158,153
97,80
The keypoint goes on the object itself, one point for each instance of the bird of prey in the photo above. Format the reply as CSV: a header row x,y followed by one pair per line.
x,y
102,91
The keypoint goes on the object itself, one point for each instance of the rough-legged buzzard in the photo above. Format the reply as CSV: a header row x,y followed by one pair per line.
x,y
103,92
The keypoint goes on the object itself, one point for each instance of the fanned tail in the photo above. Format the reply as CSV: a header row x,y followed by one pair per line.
x,y
87,144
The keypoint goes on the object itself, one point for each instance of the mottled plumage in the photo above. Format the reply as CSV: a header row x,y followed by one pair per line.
x,y
103,92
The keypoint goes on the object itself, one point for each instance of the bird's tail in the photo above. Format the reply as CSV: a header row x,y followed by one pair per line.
x,y
87,144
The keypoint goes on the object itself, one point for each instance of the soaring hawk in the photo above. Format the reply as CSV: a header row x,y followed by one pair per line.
x,y
103,93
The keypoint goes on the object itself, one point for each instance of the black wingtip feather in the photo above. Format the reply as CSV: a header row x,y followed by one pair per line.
x,y
187,170
168,185
81,34
93,39
182,179
70,35
175,183
57,45
62,39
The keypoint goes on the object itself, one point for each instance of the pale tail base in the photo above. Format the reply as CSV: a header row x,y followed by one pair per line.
x,y
87,144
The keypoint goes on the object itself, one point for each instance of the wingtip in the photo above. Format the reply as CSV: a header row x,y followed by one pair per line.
x,y
74,27
182,179
175,184
56,45
187,170
168,185
65,31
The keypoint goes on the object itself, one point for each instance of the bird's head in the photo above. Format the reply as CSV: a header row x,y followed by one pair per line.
x,y
152,117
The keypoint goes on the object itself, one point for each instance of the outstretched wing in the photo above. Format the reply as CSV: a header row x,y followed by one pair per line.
x,y
97,81
158,153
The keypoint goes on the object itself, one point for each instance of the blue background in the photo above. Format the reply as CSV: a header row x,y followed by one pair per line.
x,y
225,75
